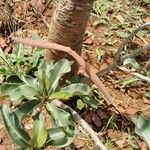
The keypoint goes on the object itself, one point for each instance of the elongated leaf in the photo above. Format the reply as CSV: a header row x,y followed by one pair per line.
x,y
77,89
80,104
60,95
129,82
18,137
19,52
4,70
43,75
61,117
57,137
64,120
23,91
132,62
39,132
7,88
3,57
13,79
143,128
25,109
59,69
30,81
90,102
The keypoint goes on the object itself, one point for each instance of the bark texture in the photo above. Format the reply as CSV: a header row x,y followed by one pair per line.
x,y
68,26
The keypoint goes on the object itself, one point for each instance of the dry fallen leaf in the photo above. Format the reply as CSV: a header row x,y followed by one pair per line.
x,y
2,42
38,5
102,114
120,18
79,144
88,117
142,146
2,147
96,120
146,101
147,19
129,111
89,38
122,143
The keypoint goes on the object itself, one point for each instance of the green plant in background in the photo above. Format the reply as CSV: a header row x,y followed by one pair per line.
x,y
146,1
41,91
101,9
22,60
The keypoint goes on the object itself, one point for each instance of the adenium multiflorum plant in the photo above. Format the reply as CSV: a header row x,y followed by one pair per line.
x,y
31,95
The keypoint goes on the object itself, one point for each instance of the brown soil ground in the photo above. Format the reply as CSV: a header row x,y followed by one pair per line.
x,y
127,100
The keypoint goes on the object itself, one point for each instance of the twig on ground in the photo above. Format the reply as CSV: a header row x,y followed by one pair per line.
x,y
134,73
99,145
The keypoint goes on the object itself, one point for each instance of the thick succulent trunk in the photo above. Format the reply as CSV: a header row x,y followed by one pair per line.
x,y
68,26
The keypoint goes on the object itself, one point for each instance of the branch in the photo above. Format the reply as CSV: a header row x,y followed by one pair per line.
x,y
86,67
134,73
85,125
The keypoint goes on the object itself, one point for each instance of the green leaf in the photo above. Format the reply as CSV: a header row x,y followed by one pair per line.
x,y
60,95
30,81
3,57
100,53
7,88
61,119
59,69
40,133
147,95
36,37
80,104
77,89
43,75
25,109
57,137
129,82
143,128
90,102
23,91
18,137
13,79
19,52
4,70
132,62
122,34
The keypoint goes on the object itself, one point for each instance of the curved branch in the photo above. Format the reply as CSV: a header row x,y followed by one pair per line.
x,y
99,145
86,67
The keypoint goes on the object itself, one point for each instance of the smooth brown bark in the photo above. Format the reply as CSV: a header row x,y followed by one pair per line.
x,y
68,26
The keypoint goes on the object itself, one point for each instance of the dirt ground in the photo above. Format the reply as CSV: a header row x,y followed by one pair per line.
x,y
101,42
